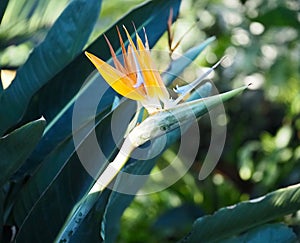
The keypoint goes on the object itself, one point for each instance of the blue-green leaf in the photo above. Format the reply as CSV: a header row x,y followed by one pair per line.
x,y
63,180
278,233
245,216
16,147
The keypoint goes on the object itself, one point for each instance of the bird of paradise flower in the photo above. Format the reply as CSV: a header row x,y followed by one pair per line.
x,y
139,80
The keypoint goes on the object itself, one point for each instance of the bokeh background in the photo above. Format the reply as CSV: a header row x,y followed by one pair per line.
x,y
262,152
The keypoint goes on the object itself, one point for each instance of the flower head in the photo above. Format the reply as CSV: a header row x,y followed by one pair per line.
x,y
137,78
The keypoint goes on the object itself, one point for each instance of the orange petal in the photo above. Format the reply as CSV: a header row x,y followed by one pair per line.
x,y
117,80
153,81
123,49
118,65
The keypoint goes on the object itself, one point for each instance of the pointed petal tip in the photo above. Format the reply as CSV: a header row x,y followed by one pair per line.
x,y
93,58
89,55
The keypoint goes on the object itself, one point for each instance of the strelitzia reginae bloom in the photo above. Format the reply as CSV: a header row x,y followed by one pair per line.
x,y
137,78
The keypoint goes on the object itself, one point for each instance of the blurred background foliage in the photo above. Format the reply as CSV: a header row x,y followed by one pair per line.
x,y
260,39
262,153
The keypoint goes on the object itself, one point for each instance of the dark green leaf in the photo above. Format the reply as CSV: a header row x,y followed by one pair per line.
x,y
60,46
278,233
89,228
63,180
17,146
63,125
280,16
176,221
246,215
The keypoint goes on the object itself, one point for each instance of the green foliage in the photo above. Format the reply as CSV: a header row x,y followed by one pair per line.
x,y
262,144
267,233
45,191
246,215
48,58
23,140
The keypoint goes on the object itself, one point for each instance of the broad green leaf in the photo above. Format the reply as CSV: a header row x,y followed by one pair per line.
x,y
178,65
245,216
59,48
280,16
62,127
54,96
89,228
63,180
278,233
16,147
177,220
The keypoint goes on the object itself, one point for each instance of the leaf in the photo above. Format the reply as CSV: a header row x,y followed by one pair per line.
x,y
246,215
178,65
279,233
175,221
280,16
60,46
89,228
16,147
66,122
63,180
201,92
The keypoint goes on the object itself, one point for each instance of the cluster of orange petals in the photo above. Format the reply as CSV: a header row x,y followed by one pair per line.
x,y
137,77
